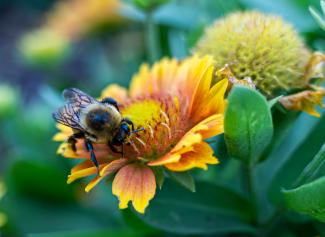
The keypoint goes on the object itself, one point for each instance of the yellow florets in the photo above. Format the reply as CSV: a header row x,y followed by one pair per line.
x,y
262,47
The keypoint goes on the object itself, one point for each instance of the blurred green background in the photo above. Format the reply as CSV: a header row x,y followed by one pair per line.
x,y
35,199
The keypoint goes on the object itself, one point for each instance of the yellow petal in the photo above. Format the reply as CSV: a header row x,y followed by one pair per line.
x,y
64,133
161,78
199,158
207,128
115,91
59,137
135,183
104,171
91,170
101,150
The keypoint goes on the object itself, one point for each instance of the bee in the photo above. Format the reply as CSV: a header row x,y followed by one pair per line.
x,y
94,121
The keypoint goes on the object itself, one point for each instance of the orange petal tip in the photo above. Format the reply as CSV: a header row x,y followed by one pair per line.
x,y
135,183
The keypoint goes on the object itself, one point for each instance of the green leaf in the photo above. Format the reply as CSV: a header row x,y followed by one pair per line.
x,y
184,179
40,181
149,5
322,4
89,233
297,150
318,18
248,124
134,222
212,209
159,175
308,199
313,168
272,102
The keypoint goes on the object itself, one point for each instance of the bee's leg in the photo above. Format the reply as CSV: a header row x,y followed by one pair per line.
x,y
111,101
113,148
90,148
72,140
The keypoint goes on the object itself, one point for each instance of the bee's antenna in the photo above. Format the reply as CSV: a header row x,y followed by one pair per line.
x,y
138,130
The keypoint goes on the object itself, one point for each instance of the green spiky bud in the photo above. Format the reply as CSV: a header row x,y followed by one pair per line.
x,y
262,47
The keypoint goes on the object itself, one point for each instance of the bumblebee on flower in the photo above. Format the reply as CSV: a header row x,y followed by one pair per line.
x,y
178,108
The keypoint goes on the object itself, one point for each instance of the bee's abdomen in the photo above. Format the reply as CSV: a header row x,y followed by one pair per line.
x,y
98,119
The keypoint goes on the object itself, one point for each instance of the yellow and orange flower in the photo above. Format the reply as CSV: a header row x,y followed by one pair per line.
x,y
178,107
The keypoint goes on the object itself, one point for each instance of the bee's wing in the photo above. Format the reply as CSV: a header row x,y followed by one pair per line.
x,y
69,116
75,101
78,98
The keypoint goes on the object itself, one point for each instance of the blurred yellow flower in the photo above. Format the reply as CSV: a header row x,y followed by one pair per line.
x,y
8,100
74,18
178,108
43,47
3,216
65,23
3,219
3,189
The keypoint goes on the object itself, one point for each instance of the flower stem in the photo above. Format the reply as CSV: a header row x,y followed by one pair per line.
x,y
266,228
249,175
152,38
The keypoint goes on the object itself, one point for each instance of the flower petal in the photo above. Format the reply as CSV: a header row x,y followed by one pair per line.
x,y
84,169
213,101
199,158
64,133
101,150
209,127
304,101
135,183
115,91
106,170
159,79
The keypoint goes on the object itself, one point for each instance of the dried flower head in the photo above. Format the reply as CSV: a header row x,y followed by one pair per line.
x,y
258,46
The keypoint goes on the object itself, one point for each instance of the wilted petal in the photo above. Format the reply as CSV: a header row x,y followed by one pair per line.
x,y
314,68
304,101
226,73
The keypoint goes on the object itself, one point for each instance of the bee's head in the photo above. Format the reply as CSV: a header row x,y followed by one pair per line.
x,y
98,119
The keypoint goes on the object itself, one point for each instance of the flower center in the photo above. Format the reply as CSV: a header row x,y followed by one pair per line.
x,y
164,122
143,113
